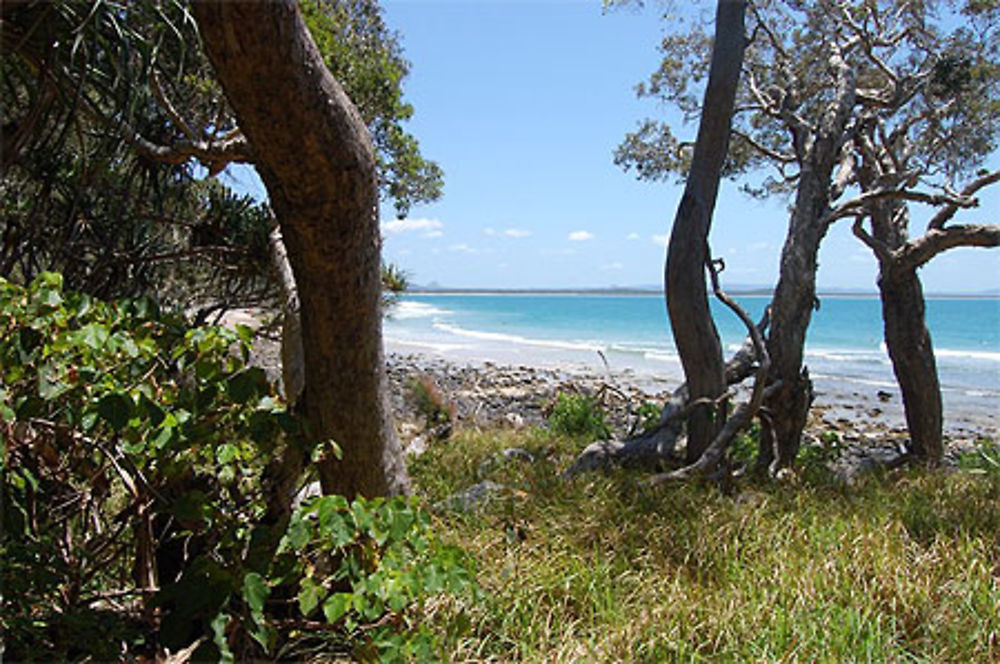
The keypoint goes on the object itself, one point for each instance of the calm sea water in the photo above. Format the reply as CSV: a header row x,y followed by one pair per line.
x,y
844,342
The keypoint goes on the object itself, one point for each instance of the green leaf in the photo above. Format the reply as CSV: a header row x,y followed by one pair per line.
x,y
92,335
226,452
310,596
115,409
255,591
163,437
219,625
336,605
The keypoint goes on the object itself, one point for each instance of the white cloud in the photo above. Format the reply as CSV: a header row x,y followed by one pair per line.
x,y
613,266
396,226
517,232
632,236
433,234
580,236
490,231
463,248
660,240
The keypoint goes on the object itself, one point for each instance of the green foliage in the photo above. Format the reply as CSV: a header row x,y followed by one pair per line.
x,y
578,415
649,416
135,465
745,446
430,403
385,564
984,459
79,196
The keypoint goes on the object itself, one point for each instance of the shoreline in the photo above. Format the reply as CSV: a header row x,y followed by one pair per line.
x,y
488,392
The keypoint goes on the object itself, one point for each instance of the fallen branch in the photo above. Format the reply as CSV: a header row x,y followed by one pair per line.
x,y
654,447
744,413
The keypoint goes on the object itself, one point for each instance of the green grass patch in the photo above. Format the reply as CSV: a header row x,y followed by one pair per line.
x,y
904,567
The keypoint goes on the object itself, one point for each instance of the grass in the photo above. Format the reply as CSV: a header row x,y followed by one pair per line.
x,y
900,568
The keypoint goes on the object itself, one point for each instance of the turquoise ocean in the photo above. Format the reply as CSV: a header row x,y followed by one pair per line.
x,y
844,344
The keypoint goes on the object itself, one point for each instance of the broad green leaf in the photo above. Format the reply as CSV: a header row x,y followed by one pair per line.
x,y
255,591
310,595
336,605
219,625
226,452
92,335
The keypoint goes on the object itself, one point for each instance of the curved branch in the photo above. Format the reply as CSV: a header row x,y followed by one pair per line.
x,y
919,251
764,150
881,249
945,215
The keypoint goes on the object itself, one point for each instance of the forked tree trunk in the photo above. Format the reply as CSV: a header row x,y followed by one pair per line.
x,y
909,344
795,294
315,157
687,298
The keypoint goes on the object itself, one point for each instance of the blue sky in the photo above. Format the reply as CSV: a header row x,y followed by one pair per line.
x,y
522,103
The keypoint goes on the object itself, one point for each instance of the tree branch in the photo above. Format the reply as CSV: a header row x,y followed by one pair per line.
x,y
881,249
919,251
946,214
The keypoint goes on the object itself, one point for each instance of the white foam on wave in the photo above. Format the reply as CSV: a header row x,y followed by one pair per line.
x,y
407,310
426,345
987,355
846,355
517,339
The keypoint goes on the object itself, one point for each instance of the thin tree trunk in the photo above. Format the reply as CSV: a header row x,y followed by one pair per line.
x,y
687,298
315,156
909,344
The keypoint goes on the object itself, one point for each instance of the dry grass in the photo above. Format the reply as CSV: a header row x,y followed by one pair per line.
x,y
900,568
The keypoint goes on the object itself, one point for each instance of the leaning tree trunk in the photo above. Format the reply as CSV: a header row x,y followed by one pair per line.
x,y
791,311
909,344
315,157
687,298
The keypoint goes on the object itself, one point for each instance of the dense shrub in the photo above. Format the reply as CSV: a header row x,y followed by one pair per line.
x,y
578,415
135,504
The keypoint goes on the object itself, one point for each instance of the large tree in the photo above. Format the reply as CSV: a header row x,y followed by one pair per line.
x,y
688,253
316,158
813,74
138,215
148,52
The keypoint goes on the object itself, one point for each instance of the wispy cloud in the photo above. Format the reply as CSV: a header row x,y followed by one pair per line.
x,y
517,232
463,248
660,240
612,266
632,236
430,227
581,236
508,232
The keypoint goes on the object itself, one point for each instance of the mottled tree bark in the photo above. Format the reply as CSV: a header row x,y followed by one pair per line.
x,y
909,344
819,152
687,298
315,157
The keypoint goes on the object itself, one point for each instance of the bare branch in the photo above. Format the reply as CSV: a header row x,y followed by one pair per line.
x,y
763,149
164,102
859,204
744,413
946,214
917,252
881,249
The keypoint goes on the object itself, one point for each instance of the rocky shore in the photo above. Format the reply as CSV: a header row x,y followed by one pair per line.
x,y
866,426
867,429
